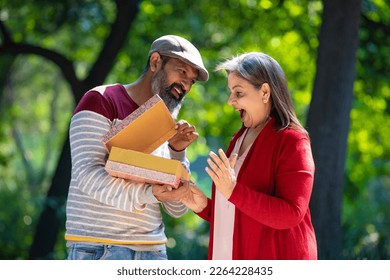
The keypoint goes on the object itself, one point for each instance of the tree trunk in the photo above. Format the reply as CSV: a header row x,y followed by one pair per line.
x,y
52,217
329,119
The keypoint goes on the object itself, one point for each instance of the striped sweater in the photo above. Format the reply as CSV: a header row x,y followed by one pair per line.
x,y
101,208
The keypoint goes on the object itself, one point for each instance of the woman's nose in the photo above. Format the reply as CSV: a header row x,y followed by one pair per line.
x,y
231,99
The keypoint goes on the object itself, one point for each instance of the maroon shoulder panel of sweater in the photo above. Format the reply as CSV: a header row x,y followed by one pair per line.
x,y
111,101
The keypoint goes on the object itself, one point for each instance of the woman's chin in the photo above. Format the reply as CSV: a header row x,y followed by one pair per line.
x,y
247,125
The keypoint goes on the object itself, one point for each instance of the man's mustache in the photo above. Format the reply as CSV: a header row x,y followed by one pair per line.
x,y
178,86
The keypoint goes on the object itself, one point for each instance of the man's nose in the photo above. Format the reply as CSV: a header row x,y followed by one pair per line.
x,y
186,85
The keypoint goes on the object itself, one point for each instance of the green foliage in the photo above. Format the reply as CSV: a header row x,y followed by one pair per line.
x,y
367,192
17,222
187,237
34,123
36,104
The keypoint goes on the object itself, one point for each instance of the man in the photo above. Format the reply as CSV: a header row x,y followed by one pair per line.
x,y
113,218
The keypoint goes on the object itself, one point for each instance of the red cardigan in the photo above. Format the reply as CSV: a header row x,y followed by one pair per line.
x,y
274,185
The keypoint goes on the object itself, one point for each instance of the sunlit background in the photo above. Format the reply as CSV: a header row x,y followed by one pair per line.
x,y
37,102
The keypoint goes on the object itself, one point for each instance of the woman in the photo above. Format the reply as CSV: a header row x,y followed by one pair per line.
x,y
262,186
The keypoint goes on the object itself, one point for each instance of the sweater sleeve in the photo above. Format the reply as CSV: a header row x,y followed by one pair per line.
x,y
88,160
293,186
176,209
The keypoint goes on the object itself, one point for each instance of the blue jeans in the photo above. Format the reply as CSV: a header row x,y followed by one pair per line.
x,y
82,251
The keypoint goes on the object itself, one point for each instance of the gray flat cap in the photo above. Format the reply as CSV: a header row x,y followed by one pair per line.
x,y
178,47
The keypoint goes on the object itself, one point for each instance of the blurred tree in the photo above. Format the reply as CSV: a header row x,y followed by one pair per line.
x,y
366,227
75,32
328,119
49,223
5,67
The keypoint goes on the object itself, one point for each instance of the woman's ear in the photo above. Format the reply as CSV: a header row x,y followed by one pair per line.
x,y
154,61
265,92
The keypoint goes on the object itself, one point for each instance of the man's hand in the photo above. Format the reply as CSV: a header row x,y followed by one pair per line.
x,y
193,197
184,136
187,193
165,193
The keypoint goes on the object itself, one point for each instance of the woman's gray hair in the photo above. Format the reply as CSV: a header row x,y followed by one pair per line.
x,y
258,68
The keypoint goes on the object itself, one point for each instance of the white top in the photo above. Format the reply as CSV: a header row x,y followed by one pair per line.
x,y
224,214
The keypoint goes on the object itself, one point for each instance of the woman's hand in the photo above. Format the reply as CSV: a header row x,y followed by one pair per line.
x,y
193,197
222,172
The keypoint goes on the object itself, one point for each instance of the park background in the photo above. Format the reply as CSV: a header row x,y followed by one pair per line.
x,y
336,56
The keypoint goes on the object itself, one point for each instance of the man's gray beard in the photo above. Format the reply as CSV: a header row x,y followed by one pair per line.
x,y
159,87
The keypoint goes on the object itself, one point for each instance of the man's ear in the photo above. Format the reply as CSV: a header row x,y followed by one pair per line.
x,y
154,61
